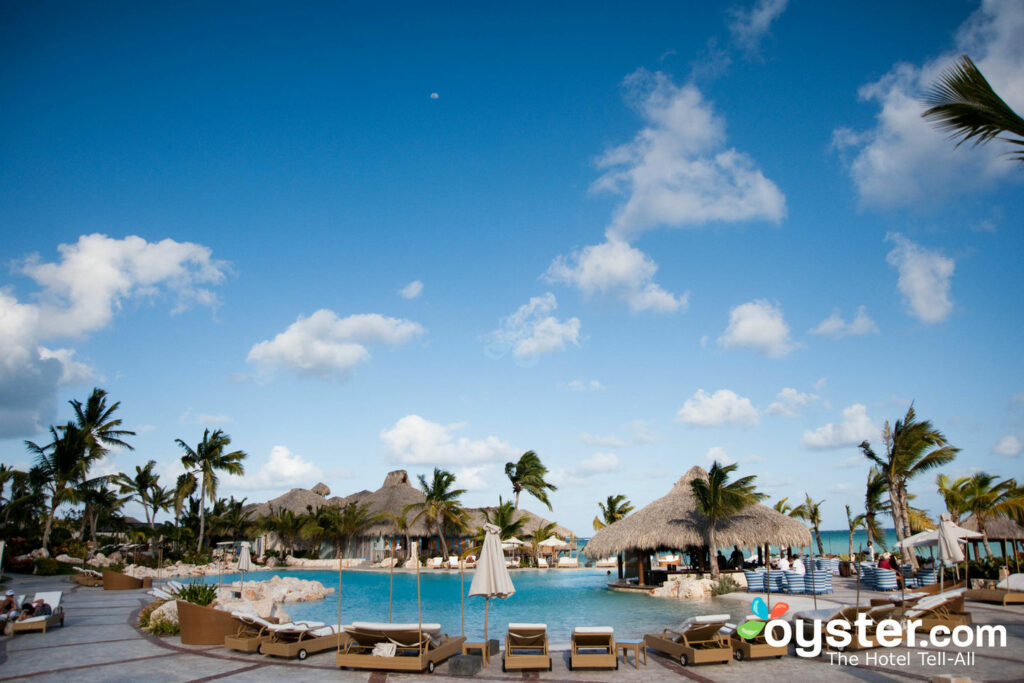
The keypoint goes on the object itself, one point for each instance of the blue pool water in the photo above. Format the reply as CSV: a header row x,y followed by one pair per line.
x,y
560,598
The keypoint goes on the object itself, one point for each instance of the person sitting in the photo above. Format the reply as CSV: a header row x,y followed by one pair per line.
x,y
783,564
798,566
722,562
36,608
884,563
736,558
9,605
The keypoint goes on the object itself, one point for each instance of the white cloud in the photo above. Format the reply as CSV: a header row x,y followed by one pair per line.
x,y
417,441
722,407
584,385
281,470
834,326
325,345
532,331
434,96
788,402
411,290
821,383
1009,446
677,171
78,295
760,326
474,478
718,454
904,159
749,26
924,278
208,420
616,269
642,434
855,427
599,463
602,441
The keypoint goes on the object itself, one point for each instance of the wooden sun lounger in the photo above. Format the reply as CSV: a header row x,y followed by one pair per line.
x,y
1009,591
848,614
51,598
593,647
526,647
753,648
302,640
943,609
87,577
252,633
416,646
699,641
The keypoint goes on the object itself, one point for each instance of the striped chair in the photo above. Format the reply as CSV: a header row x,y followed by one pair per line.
x,y
777,580
755,581
835,566
885,580
867,573
818,582
794,582
909,580
927,577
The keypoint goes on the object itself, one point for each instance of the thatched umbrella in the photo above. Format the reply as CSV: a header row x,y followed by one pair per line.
x,y
673,521
1000,529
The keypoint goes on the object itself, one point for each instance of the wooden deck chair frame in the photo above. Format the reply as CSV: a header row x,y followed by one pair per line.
x,y
413,652
698,644
301,642
526,647
593,649
1002,596
754,648
42,623
252,633
949,613
876,613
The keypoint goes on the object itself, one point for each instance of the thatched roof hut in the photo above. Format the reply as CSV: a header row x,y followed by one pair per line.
x,y
673,522
477,519
391,498
997,528
298,501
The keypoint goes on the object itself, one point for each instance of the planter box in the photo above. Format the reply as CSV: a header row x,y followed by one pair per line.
x,y
201,625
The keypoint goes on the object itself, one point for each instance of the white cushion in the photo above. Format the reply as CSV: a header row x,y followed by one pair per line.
x,y
51,598
710,619
1013,582
384,626
324,631
512,627
594,629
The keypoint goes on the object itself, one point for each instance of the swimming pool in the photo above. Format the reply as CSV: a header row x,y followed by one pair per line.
x,y
560,598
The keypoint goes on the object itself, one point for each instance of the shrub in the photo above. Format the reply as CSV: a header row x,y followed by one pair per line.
x,y
198,593
726,584
146,611
44,566
77,549
165,628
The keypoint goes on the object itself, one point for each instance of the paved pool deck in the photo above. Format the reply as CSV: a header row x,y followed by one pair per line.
x,y
99,642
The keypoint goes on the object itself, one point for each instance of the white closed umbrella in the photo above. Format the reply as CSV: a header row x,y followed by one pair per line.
x,y
491,579
946,538
244,562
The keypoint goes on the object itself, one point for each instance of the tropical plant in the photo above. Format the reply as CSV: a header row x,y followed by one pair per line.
x,y
810,512
952,492
285,523
527,474
505,517
540,533
783,507
197,593
346,523
401,523
57,469
141,489
912,447
717,498
853,523
985,499
231,521
612,510
963,102
205,460
441,506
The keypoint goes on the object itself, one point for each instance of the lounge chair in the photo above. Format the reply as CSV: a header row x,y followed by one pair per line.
x,y
942,609
470,562
698,641
253,631
593,647
848,614
175,586
41,623
542,563
568,563
526,647
795,582
160,594
752,648
453,562
1009,591
435,563
89,578
302,639
397,647
755,581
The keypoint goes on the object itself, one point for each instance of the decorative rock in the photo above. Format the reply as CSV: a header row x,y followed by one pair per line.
x,y
167,612
271,562
39,552
67,559
464,665
684,588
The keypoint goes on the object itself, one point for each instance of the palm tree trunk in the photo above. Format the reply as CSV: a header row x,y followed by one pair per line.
x,y
48,528
516,507
821,548
984,534
202,515
905,510
712,545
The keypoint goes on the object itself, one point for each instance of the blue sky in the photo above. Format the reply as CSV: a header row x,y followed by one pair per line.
x,y
643,239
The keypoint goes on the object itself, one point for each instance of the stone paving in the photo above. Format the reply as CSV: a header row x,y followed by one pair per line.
x,y
99,642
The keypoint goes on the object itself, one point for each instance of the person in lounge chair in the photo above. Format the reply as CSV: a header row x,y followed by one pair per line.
x,y
9,605
37,608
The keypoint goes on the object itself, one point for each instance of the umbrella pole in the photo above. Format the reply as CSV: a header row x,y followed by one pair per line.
x,y
419,607
487,607
391,590
814,588
339,602
462,594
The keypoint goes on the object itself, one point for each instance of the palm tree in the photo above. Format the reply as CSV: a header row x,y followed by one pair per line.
x,y
206,459
59,466
401,523
810,511
853,523
528,475
505,518
612,510
717,498
540,533
140,488
232,521
441,504
911,448
986,499
873,507
952,492
963,102
285,523
783,507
